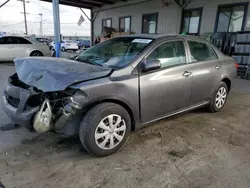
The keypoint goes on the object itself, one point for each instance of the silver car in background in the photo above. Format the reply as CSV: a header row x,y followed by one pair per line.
x,y
12,47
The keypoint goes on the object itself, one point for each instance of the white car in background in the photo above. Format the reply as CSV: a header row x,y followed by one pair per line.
x,y
12,47
66,45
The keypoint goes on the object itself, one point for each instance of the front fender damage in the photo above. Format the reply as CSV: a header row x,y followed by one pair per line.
x,y
45,120
57,111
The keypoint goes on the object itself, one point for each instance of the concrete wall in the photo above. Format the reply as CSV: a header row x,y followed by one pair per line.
x,y
169,17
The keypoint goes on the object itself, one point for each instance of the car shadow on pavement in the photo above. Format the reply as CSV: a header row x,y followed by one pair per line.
x,y
50,143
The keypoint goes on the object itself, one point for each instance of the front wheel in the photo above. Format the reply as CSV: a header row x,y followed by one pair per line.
x,y
104,129
219,98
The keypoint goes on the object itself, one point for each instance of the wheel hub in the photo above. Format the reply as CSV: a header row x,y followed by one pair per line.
x,y
221,97
110,132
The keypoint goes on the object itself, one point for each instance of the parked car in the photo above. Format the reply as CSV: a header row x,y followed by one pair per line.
x,y
84,44
66,45
43,40
118,86
77,41
12,47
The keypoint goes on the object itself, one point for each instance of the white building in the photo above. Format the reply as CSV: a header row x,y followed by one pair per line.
x,y
170,16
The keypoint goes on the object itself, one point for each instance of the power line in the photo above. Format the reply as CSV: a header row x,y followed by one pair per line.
x,y
4,3
12,24
50,23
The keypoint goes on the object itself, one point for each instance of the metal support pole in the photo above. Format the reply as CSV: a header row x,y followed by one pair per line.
x,y
92,28
57,31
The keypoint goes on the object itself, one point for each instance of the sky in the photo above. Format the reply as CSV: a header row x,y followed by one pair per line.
x,y
12,21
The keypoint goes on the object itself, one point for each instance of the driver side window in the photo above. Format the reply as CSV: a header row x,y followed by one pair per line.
x,y
169,54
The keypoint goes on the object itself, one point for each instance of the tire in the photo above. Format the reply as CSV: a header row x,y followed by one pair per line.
x,y
215,105
63,49
36,53
91,129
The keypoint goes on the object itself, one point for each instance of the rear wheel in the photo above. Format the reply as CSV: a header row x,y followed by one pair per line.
x,y
104,129
36,53
63,49
219,98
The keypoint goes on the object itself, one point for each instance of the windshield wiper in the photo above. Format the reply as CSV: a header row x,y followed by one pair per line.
x,y
88,62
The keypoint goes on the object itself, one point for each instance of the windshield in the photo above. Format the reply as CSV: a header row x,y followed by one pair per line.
x,y
42,39
114,53
69,41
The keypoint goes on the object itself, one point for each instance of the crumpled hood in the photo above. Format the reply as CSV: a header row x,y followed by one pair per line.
x,y
56,74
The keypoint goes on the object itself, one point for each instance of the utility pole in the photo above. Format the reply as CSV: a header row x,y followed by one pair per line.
x,y
24,13
41,25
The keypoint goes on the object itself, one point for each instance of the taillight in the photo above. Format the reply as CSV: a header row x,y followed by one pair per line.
x,y
236,65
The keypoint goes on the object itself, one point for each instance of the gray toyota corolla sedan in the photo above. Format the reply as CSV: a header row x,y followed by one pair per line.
x,y
118,86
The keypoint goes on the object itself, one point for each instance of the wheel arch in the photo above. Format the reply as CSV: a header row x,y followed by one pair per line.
x,y
228,82
116,101
32,51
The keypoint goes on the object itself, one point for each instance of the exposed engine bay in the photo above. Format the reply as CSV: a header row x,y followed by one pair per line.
x,y
51,110
40,94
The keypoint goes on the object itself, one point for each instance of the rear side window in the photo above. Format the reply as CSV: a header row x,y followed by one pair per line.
x,y
5,40
2,40
19,40
201,52
169,54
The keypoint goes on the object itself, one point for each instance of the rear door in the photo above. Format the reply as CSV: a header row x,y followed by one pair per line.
x,y
6,49
205,67
21,46
166,90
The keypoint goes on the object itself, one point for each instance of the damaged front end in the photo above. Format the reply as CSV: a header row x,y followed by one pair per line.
x,y
44,111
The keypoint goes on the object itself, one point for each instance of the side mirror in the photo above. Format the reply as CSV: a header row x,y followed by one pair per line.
x,y
150,65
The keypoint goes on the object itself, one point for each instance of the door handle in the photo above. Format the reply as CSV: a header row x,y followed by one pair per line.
x,y
217,67
187,74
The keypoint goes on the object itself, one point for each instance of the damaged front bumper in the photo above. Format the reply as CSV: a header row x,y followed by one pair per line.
x,y
15,104
24,105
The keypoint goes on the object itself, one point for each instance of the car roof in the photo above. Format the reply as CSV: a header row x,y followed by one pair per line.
x,y
25,36
160,36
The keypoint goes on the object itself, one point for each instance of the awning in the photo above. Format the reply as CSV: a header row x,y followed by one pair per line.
x,y
89,4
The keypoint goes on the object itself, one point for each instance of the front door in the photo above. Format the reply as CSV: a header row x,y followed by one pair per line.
x,y
6,49
167,89
205,67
